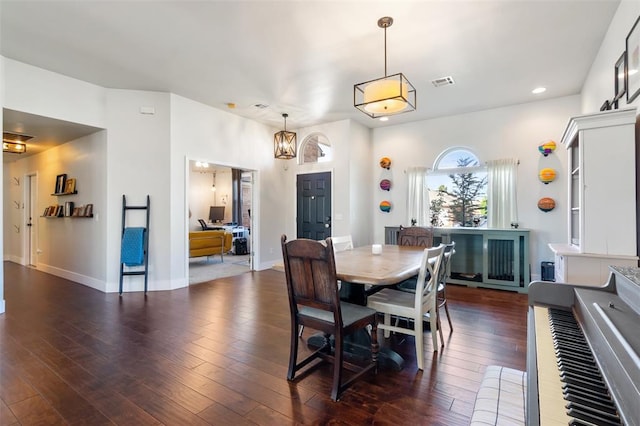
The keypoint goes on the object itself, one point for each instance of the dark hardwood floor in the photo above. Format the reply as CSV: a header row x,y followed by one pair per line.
x,y
217,353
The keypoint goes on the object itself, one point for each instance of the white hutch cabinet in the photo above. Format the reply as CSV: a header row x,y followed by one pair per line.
x,y
601,197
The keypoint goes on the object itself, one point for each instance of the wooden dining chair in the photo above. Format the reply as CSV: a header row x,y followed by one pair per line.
x,y
444,271
416,236
444,275
310,272
413,306
340,243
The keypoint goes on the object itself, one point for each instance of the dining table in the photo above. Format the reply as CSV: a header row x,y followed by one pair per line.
x,y
362,271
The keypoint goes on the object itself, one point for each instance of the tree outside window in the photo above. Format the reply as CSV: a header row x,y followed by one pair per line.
x,y
458,190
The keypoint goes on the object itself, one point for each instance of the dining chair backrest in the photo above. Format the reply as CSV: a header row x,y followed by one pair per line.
x,y
310,271
417,236
342,243
443,274
203,224
427,284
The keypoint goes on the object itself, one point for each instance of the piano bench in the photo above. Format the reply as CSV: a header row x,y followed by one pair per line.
x,y
501,397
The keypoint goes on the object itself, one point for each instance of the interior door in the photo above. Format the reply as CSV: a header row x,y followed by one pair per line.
x,y
313,193
31,220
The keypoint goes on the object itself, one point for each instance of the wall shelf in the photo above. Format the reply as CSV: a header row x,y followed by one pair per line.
x,y
68,209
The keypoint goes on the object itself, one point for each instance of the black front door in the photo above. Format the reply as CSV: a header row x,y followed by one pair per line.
x,y
314,205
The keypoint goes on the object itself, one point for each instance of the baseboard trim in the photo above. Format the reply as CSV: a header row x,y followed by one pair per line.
x,y
73,276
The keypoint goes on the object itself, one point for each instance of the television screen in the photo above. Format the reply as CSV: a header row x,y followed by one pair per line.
x,y
216,213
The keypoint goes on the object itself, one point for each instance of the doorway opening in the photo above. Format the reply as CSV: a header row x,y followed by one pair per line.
x,y
220,202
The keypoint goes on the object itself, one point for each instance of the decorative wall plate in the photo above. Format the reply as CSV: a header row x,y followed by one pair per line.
x,y
546,204
385,206
547,175
385,163
547,148
385,184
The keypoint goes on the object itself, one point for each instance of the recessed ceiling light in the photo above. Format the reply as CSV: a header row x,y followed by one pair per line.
x,y
384,118
539,90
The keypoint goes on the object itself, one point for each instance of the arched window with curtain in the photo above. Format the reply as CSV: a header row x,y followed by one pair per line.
x,y
457,187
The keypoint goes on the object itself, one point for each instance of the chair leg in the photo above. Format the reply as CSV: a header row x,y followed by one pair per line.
x,y
337,368
387,321
375,347
433,321
293,354
439,326
419,338
446,309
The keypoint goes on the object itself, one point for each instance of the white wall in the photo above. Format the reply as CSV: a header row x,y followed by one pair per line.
x,y
199,132
511,132
67,246
360,175
148,155
138,165
38,91
351,149
201,197
599,85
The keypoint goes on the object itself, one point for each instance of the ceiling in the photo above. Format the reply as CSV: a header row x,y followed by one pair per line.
x,y
303,57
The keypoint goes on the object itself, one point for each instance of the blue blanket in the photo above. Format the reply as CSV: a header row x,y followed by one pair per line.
x,y
132,250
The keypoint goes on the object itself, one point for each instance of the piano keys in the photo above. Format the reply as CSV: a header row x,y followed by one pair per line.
x,y
582,352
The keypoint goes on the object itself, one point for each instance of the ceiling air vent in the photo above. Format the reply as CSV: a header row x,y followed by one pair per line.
x,y
443,81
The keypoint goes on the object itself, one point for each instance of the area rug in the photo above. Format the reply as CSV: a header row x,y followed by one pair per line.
x,y
202,269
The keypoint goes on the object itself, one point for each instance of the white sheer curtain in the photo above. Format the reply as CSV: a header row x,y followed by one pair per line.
x,y
417,196
501,192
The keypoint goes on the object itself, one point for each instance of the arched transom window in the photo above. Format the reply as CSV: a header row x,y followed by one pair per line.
x,y
316,148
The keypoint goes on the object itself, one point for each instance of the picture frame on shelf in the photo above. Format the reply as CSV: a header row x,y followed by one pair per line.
x,y
70,186
606,106
76,212
46,211
88,210
620,85
61,181
632,62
